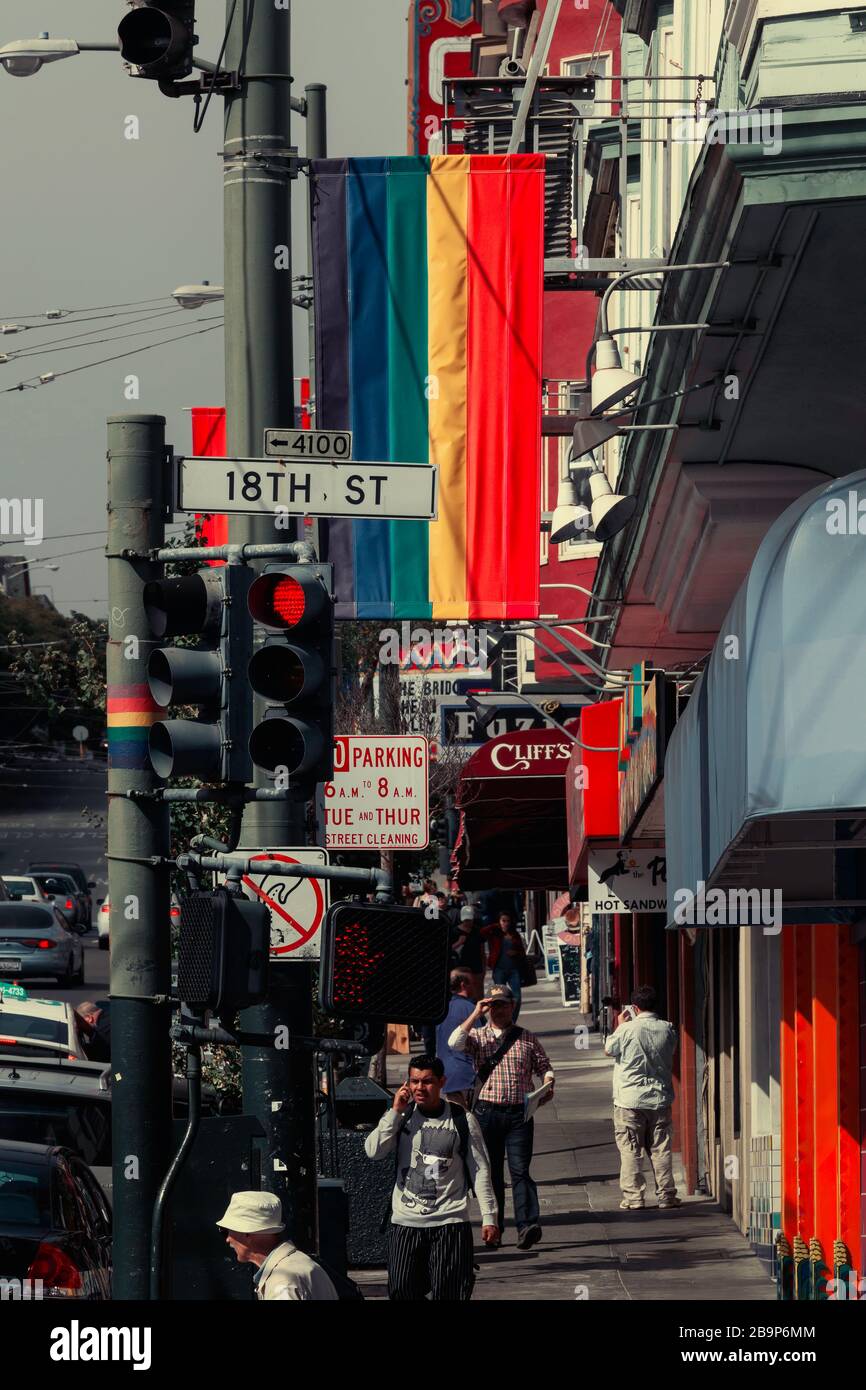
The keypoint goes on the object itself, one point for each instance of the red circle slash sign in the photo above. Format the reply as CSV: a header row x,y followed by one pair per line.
x,y
304,933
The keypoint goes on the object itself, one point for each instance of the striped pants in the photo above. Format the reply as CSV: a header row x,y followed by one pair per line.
x,y
430,1259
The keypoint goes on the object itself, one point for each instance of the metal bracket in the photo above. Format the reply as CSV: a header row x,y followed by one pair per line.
x,y
200,86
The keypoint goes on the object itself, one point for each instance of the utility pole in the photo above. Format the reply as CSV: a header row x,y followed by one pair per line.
x,y
278,1084
138,832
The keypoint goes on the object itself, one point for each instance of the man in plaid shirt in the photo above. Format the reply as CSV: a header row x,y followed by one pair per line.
x,y
499,1103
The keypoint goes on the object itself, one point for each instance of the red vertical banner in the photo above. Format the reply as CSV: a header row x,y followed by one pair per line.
x,y
209,441
503,437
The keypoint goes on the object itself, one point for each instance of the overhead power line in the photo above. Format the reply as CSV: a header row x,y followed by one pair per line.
x,y
32,383
97,342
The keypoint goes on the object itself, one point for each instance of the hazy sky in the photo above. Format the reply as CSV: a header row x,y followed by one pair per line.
x,y
91,218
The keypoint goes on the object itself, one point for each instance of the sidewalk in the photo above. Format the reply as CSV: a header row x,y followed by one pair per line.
x,y
591,1249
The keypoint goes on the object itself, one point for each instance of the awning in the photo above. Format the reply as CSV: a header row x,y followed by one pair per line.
x,y
766,770
511,799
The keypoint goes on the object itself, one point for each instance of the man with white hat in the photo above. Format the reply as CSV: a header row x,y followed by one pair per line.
x,y
253,1223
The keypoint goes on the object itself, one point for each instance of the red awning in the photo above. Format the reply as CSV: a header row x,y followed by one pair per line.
x,y
511,799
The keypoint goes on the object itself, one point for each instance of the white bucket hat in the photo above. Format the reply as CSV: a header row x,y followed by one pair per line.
x,y
249,1212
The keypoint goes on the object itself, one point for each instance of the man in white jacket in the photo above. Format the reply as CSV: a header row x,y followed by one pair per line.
x,y
253,1223
440,1158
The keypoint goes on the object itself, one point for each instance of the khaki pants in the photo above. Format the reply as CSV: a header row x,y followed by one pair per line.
x,y
638,1132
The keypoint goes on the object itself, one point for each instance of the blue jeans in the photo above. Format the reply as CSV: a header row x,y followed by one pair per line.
x,y
508,1135
509,975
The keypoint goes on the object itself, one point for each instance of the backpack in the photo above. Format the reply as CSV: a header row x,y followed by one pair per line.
x,y
347,1290
457,1115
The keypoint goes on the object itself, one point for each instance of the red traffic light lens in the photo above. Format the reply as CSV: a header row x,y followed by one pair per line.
x,y
282,601
288,601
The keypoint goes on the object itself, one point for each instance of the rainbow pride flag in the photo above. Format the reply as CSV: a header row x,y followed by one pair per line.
x,y
428,276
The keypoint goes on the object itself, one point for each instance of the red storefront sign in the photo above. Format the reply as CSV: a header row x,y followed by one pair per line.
x,y
592,785
440,34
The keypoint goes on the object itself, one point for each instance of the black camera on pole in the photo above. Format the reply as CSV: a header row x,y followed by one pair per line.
x,y
211,605
294,671
158,39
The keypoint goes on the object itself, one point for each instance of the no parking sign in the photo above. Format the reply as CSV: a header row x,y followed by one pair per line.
x,y
297,905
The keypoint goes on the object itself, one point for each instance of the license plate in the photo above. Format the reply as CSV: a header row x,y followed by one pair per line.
x,y
10,965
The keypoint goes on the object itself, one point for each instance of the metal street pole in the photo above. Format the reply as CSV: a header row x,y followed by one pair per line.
x,y
278,1085
138,831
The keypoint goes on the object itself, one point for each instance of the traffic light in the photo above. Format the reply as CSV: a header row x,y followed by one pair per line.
x,y
294,672
159,39
212,605
387,964
223,952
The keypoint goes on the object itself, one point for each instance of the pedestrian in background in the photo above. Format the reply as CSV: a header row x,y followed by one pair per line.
x,y
459,1069
506,1059
643,1049
467,949
254,1227
506,956
439,1158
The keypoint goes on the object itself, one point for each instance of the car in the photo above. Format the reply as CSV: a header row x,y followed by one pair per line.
x,y
52,1099
83,884
62,890
35,941
38,1027
23,888
55,1224
103,919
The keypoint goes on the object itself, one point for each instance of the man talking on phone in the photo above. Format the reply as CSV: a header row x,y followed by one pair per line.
x,y
440,1159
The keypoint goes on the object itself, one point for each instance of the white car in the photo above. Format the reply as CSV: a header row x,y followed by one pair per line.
x,y
25,889
44,1027
103,920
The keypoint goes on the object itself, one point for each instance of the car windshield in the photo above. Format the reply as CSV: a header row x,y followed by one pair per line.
x,y
71,870
81,1125
24,1193
16,917
20,885
31,1026
55,883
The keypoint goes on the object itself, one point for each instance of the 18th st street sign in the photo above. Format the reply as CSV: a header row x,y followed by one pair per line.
x,y
307,487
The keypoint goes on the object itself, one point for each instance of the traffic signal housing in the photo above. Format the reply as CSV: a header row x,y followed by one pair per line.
x,y
210,604
385,964
294,672
223,952
159,38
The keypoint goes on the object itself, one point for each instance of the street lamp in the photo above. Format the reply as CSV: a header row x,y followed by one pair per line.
x,y
194,296
24,57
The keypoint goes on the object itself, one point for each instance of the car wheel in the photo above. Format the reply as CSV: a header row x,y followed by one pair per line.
x,y
103,943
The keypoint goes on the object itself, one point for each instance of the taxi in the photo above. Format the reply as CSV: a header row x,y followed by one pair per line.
x,y
38,1027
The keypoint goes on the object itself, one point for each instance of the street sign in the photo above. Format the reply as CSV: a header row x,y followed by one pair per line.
x,y
625,879
324,487
379,796
323,444
297,905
